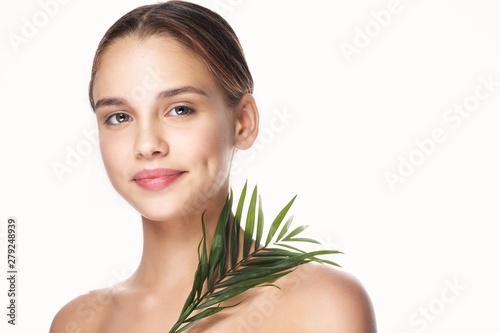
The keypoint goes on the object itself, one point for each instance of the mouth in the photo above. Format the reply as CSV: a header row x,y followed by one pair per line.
x,y
156,179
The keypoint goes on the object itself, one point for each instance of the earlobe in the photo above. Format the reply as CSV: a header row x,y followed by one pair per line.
x,y
247,123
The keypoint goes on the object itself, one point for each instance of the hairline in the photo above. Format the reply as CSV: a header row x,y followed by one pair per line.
x,y
142,35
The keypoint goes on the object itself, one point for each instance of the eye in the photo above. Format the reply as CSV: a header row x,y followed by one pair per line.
x,y
118,118
180,111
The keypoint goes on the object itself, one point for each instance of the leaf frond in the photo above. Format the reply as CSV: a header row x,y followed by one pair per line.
x,y
227,270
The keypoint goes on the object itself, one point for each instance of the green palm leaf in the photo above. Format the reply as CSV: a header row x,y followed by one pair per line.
x,y
260,226
222,275
277,221
249,228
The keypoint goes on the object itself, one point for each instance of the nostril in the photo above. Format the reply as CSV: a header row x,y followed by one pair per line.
x,y
151,148
150,142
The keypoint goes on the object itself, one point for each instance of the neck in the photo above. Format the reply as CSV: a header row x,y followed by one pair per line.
x,y
170,248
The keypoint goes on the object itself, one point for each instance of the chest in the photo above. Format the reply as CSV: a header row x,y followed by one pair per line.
x,y
254,314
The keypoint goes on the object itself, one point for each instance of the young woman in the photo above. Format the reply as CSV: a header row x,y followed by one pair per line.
x,y
172,94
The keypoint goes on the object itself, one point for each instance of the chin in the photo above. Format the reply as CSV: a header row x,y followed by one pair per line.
x,y
187,202
163,210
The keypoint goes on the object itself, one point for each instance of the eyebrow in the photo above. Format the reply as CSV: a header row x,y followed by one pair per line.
x,y
114,101
182,90
109,102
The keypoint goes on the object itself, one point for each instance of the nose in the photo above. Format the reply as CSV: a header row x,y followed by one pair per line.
x,y
150,141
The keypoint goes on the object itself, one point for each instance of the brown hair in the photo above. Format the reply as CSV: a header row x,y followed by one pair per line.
x,y
203,31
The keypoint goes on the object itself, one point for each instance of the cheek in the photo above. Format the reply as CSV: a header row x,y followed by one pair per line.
x,y
214,142
112,153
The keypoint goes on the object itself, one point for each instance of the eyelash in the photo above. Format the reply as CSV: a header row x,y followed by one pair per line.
x,y
111,116
186,109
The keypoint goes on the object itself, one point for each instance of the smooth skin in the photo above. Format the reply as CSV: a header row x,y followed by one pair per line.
x,y
157,106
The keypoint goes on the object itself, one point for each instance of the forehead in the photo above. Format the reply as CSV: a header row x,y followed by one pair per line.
x,y
131,65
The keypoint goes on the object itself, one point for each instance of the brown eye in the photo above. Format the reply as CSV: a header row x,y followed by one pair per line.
x,y
117,118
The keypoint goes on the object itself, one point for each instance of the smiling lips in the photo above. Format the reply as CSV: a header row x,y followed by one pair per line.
x,y
156,179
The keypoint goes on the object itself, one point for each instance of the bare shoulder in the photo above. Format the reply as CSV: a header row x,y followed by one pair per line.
x,y
84,314
329,300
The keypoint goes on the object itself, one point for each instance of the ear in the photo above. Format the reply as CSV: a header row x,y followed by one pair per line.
x,y
247,123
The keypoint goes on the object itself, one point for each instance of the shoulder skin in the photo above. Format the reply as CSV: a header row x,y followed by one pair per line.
x,y
84,314
327,299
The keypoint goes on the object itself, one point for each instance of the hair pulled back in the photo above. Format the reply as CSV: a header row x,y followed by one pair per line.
x,y
207,34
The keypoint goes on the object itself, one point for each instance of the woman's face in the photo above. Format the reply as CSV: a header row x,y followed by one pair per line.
x,y
166,134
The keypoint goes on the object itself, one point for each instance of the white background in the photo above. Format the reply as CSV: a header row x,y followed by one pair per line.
x,y
347,124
